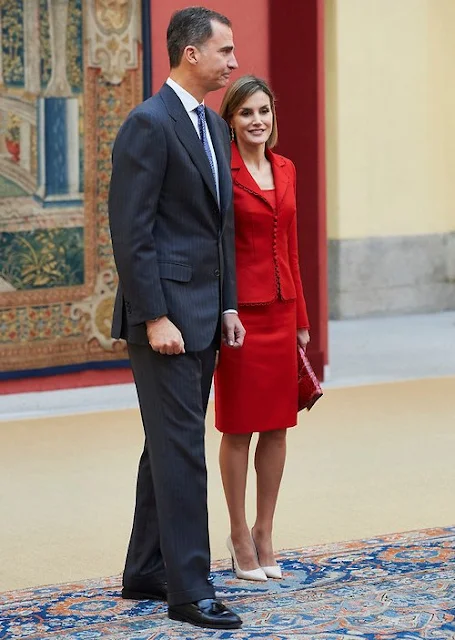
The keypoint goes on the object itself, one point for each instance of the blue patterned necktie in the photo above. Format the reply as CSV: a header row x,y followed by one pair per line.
x,y
200,111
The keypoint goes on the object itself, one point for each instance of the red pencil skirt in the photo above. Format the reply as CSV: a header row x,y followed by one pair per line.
x,y
256,385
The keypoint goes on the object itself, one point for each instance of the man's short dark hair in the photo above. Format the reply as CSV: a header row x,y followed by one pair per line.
x,y
190,27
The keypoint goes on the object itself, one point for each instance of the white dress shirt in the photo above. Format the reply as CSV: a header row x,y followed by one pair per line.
x,y
190,103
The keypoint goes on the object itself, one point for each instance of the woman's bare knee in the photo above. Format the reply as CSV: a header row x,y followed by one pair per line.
x,y
237,441
277,436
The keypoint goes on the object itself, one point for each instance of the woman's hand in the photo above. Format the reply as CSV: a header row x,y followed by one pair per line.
x,y
303,338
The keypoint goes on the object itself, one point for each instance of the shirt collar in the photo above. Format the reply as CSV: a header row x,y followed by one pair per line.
x,y
189,102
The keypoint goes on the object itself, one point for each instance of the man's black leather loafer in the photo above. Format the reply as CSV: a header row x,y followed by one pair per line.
x,y
209,613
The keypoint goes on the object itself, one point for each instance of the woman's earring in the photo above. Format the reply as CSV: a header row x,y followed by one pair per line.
x,y
232,134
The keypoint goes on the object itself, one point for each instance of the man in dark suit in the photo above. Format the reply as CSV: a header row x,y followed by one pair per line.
x,y
171,219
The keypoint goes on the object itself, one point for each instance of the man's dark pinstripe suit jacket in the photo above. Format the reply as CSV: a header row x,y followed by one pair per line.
x,y
173,243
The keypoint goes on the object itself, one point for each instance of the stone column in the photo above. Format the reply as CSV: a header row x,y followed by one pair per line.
x,y
58,152
58,86
32,47
58,124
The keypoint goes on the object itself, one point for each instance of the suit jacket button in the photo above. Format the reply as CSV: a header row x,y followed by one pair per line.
x,y
217,273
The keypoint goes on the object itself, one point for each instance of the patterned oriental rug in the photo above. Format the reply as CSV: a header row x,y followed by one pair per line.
x,y
393,586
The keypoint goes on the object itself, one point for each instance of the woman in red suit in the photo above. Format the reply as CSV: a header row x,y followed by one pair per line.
x,y
256,386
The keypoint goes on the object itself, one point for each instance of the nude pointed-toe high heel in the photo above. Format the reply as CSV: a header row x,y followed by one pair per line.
x,y
258,575
274,570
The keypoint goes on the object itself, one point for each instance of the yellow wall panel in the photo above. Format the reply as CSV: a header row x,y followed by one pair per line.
x,y
390,123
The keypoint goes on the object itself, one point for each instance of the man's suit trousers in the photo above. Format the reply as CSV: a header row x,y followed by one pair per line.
x,y
169,541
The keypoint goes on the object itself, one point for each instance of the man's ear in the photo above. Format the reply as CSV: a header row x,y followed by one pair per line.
x,y
191,54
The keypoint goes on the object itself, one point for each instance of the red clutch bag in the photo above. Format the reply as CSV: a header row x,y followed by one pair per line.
x,y
309,389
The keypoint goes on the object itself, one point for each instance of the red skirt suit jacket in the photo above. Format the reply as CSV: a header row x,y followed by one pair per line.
x,y
266,239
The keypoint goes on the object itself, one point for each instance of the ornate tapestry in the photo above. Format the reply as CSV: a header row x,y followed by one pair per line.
x,y
70,70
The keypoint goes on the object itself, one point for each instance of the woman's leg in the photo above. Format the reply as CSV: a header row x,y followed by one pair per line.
x,y
269,463
234,465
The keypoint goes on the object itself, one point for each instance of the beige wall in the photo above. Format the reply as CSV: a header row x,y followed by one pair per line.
x,y
390,117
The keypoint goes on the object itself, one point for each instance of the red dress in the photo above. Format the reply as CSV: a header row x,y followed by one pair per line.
x,y
256,385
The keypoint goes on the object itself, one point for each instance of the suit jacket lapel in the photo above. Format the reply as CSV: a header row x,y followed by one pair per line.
x,y
186,132
224,173
241,175
280,177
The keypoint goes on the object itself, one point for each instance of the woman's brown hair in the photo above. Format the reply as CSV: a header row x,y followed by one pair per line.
x,y
242,89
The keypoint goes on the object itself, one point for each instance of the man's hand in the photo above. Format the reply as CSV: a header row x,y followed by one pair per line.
x,y
303,338
233,331
164,337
